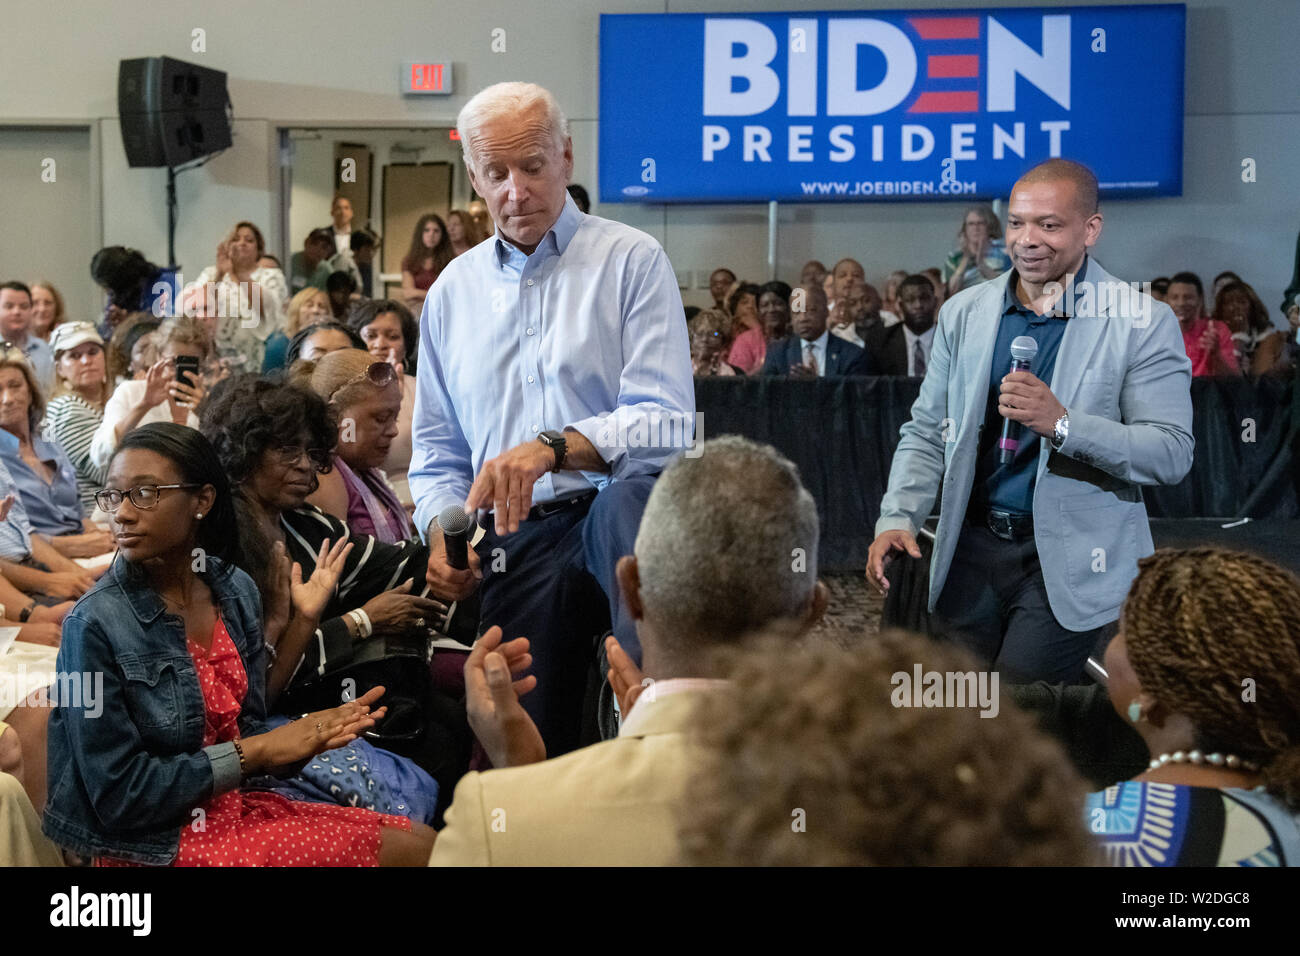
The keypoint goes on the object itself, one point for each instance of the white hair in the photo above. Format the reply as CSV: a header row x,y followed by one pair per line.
x,y
508,99
728,542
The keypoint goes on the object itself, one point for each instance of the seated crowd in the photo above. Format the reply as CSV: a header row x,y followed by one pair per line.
x,y
755,330
233,479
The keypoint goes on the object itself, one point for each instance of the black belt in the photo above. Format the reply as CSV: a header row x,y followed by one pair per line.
x,y
1007,525
560,504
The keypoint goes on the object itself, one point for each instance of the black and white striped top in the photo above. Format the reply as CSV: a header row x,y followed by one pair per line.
x,y
371,568
71,421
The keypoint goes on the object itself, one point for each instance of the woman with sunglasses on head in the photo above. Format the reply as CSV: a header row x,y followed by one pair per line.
x,y
392,335
366,397
161,768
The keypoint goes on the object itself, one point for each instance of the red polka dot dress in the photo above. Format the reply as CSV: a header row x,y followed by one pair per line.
x,y
252,828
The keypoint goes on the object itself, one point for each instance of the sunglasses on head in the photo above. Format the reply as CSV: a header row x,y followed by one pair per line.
x,y
379,374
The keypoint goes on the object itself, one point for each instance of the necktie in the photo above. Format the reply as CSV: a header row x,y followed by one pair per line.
x,y
918,359
810,358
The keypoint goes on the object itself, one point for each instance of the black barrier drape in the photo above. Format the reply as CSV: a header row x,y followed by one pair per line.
x,y
842,434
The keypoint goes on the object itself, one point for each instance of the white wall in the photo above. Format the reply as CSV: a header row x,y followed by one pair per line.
x,y
334,63
313,171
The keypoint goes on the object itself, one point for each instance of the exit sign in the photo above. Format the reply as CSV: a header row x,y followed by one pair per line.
x,y
427,78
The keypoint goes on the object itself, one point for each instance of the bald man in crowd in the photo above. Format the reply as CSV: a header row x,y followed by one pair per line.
x,y
1040,534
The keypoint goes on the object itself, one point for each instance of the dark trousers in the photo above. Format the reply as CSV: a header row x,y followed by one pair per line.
x,y
994,603
553,582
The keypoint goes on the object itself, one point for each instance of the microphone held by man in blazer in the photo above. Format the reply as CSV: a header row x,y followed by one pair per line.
x,y
810,351
1032,559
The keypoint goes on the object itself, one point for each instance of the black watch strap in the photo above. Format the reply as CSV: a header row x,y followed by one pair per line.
x,y
557,443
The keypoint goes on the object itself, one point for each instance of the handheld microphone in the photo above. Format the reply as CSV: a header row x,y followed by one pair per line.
x,y
456,527
1023,350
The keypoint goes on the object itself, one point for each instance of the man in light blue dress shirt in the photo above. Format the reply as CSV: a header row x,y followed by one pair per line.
x,y
554,384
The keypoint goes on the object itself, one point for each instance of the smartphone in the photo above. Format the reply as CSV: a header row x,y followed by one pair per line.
x,y
187,365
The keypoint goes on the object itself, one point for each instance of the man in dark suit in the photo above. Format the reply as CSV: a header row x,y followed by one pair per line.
x,y
904,349
811,351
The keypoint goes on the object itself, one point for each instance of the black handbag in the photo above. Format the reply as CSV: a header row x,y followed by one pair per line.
x,y
400,664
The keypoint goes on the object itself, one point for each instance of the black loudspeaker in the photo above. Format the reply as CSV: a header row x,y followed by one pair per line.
x,y
171,112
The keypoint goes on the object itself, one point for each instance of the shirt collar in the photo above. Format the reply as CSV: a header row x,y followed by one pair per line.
x,y
927,336
43,449
635,718
1011,302
556,239
818,343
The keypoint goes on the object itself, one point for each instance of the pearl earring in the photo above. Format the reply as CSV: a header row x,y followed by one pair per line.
x,y
1134,712
199,515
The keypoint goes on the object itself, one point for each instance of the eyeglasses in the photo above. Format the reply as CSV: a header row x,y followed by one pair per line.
x,y
379,374
289,455
143,497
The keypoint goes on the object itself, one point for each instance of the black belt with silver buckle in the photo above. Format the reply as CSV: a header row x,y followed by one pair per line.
x,y
1007,525
555,507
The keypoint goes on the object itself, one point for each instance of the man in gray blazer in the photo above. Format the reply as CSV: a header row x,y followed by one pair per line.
x,y
1033,558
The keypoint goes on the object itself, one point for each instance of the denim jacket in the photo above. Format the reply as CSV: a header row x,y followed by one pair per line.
x,y
124,782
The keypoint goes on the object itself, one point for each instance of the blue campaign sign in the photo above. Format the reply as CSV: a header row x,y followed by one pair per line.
x,y
887,105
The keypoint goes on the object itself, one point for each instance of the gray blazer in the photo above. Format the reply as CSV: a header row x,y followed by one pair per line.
x,y
1124,377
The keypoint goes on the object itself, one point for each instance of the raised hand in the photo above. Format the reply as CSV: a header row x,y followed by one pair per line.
x,y
310,597
498,720
158,383
625,678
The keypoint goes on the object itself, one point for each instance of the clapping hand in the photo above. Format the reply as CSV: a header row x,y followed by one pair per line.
x,y
625,678
224,263
1210,337
310,597
285,749
499,721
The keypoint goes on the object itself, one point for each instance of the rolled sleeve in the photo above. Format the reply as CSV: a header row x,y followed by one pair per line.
x,y
655,416
226,773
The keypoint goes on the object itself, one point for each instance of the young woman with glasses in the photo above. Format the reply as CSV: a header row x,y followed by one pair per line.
x,y
166,766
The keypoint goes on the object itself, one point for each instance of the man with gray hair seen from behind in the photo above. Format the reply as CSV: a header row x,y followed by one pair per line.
x,y
554,384
738,510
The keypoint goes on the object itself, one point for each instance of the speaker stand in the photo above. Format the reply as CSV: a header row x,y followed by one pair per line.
x,y
171,218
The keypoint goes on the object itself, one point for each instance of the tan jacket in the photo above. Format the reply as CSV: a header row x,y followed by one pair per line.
x,y
21,840
610,804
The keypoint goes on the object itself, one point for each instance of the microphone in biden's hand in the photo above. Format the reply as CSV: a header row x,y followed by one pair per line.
x,y
1023,350
456,528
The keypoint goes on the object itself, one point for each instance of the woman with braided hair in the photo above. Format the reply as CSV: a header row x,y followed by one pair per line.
x,y
1206,667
